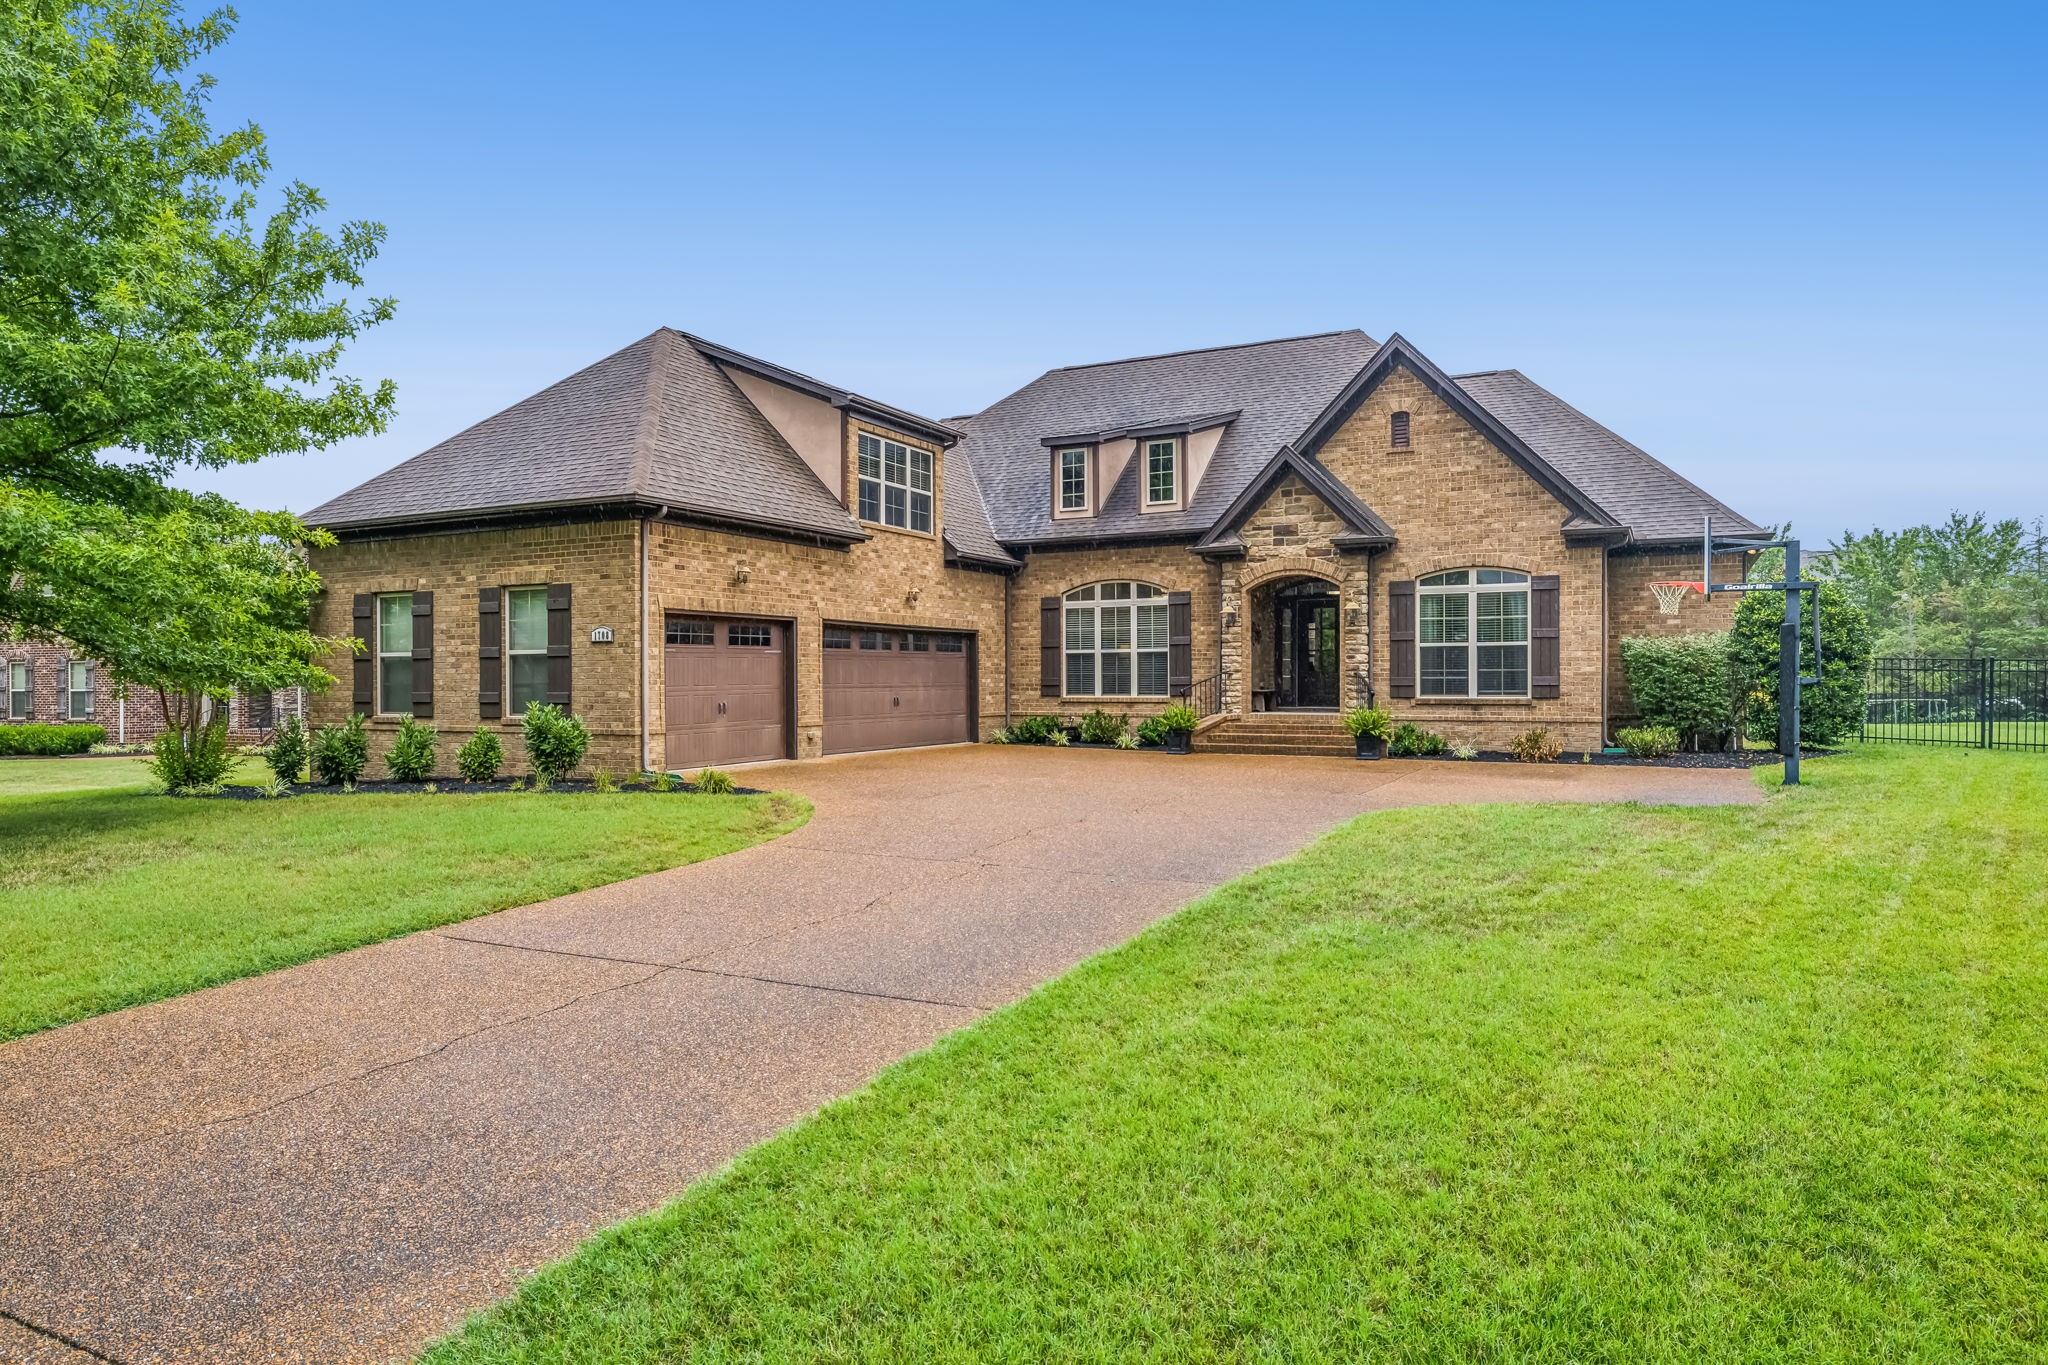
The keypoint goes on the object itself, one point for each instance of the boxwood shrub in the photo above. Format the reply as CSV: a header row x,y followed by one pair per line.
x,y
49,740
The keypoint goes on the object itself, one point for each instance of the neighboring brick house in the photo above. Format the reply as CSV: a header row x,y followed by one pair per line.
x,y
54,685
715,559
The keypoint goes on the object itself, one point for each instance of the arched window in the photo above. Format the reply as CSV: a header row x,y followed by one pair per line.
x,y
1397,431
1116,640
1472,628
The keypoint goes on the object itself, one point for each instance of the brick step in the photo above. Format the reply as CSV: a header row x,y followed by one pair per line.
x,y
1279,750
1283,734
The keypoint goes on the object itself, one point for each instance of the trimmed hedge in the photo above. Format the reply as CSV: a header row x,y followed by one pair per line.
x,y
49,740
1686,682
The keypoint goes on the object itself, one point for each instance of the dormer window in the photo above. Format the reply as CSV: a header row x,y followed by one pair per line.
x,y
1397,431
1073,479
1162,473
895,484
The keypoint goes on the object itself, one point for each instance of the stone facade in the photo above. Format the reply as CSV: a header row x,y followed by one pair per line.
x,y
1287,539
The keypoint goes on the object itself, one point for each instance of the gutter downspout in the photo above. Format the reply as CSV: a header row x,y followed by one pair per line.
x,y
646,735
1009,590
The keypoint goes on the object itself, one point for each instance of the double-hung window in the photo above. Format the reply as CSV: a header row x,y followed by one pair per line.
x,y
1074,479
1473,633
895,484
1116,641
1162,473
394,654
17,690
526,647
78,675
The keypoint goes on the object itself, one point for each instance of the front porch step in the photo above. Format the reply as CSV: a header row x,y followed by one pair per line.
x,y
1265,732
1242,746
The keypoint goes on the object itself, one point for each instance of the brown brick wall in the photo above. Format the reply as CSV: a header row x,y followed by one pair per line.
x,y
1455,501
1286,539
129,715
1054,573
1632,609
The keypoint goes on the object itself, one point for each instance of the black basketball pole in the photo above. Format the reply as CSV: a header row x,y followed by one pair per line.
x,y
1788,667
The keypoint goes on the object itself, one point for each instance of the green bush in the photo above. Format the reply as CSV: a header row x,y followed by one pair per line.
x,y
1179,716
1035,730
288,749
714,782
1412,741
50,740
1152,731
1100,727
1648,741
555,743
1368,722
196,761
480,757
1536,746
412,753
1829,712
341,752
1686,682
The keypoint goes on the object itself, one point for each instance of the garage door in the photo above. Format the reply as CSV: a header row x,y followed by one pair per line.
x,y
888,689
727,691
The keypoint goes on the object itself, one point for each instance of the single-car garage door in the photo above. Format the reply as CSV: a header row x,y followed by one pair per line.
x,y
888,689
727,691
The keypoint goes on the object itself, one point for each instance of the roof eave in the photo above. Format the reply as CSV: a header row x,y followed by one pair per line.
x,y
883,413
627,507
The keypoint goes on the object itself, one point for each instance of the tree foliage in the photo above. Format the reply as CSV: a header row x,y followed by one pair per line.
x,y
1831,711
1966,586
1687,683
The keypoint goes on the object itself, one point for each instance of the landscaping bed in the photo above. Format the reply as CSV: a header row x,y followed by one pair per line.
x,y
452,787
1739,758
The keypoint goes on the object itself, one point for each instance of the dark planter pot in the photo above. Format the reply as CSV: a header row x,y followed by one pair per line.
x,y
1368,747
1180,741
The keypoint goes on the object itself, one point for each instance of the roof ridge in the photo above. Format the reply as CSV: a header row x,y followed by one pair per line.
x,y
648,432
1204,350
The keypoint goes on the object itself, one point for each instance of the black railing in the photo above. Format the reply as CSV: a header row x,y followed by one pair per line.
x,y
1205,695
1965,703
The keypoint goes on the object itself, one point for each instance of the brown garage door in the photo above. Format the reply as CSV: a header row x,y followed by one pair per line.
x,y
888,689
727,691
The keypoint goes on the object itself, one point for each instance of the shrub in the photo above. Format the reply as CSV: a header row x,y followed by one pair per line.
x,y
1152,731
1100,727
51,740
602,781
1648,741
713,782
1536,747
1368,722
1412,741
1060,739
1126,740
1686,682
999,737
194,762
480,757
1179,716
1465,751
1035,730
341,752
1830,711
412,753
287,756
663,782
555,743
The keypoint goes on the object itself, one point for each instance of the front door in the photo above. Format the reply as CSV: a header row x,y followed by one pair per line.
x,y
1307,640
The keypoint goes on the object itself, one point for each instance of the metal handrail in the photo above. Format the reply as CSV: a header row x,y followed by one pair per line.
x,y
1204,694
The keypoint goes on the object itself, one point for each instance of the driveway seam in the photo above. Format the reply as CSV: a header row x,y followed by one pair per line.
x,y
52,1334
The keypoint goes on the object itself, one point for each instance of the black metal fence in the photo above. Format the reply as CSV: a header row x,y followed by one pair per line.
x,y
1968,703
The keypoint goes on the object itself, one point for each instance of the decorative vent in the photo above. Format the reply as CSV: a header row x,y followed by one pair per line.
x,y
1397,431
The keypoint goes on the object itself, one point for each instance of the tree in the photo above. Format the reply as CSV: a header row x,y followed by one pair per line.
x,y
1832,710
1966,586
154,317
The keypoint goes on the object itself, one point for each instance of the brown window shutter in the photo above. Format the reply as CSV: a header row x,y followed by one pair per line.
x,y
1048,646
1180,640
1397,430
364,696
92,689
1545,672
558,646
490,653
1401,638
423,655
259,709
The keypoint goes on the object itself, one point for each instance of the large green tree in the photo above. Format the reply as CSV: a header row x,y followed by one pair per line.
x,y
1965,586
159,310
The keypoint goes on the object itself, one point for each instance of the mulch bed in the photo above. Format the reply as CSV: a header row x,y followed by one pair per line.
x,y
452,788
1740,758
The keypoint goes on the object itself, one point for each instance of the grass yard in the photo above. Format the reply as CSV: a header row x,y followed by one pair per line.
x,y
110,897
1586,1083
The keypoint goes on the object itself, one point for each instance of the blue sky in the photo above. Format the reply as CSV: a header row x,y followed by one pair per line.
x,y
1796,251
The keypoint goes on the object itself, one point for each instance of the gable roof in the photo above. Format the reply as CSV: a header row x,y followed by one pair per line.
x,y
1273,387
1367,531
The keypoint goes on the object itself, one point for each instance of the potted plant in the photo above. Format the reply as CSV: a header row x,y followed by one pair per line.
x,y
1369,726
1180,721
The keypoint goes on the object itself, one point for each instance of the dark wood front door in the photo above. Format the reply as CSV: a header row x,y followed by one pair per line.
x,y
1306,637
727,691
890,689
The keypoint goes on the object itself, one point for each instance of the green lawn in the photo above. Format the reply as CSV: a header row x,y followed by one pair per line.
x,y
111,897
1585,1083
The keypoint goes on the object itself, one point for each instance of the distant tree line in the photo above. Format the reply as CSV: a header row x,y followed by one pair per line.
x,y
1967,586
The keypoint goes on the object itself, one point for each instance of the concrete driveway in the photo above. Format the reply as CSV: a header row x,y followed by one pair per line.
x,y
337,1161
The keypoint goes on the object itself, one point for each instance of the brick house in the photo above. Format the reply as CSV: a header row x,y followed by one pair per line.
x,y
715,559
49,684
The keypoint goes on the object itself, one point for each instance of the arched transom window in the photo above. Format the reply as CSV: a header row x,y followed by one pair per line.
x,y
1116,639
1473,633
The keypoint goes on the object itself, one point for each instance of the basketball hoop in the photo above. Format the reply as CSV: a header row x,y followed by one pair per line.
x,y
1670,594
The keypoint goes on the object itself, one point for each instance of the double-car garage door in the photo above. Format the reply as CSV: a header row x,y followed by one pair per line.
x,y
728,689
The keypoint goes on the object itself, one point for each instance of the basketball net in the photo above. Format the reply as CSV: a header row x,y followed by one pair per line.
x,y
1669,595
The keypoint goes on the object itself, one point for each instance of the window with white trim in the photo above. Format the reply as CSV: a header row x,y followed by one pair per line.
x,y
1162,473
1472,631
79,676
526,646
1073,466
17,690
394,654
895,483
1115,636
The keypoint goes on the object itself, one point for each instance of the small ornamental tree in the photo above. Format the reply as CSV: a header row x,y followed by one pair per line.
x,y
1831,711
1686,682
555,743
